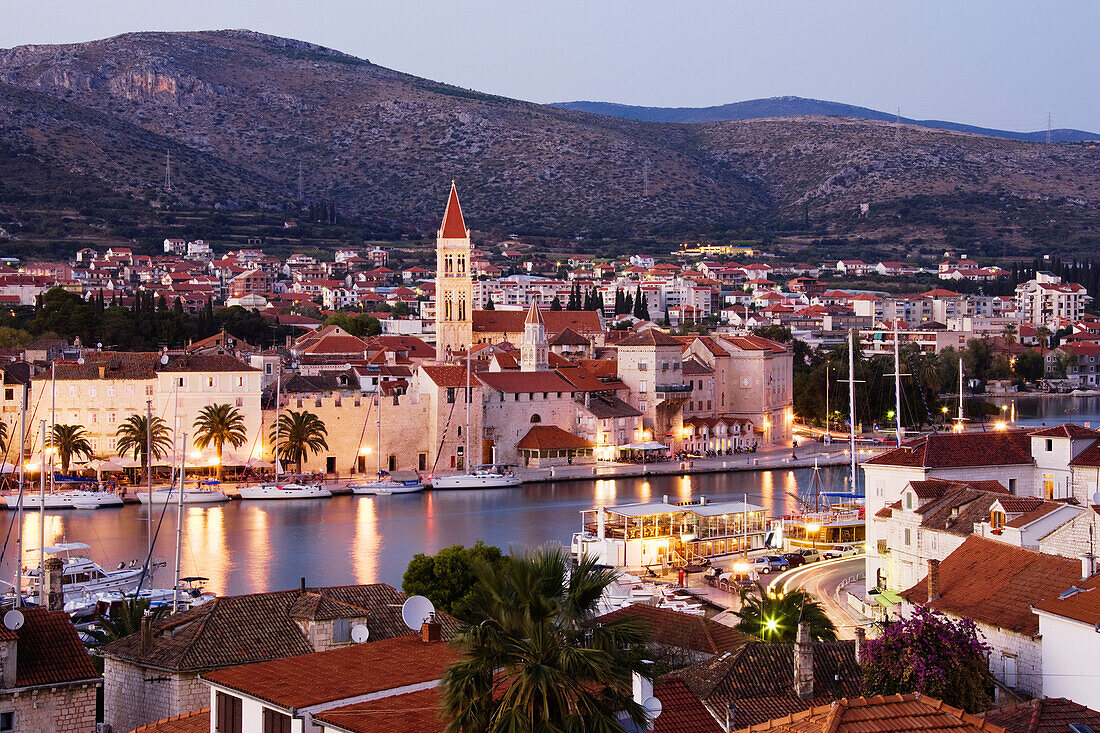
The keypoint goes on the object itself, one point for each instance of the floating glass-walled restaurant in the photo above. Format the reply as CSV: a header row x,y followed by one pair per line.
x,y
656,534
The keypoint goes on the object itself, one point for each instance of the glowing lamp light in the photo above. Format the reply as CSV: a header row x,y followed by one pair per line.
x,y
890,414
771,625
741,567
686,432
944,409
767,423
999,425
213,461
813,528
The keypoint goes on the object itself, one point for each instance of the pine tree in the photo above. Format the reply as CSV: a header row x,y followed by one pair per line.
x,y
587,300
618,301
489,305
628,303
555,304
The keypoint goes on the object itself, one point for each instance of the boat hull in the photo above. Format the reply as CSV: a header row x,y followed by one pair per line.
x,y
383,488
66,500
476,481
284,491
190,496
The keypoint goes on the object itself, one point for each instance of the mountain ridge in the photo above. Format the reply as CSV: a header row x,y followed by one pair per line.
x,y
243,112
791,106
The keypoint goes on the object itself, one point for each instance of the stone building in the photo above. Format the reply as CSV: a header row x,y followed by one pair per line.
x,y
453,283
650,365
154,674
49,683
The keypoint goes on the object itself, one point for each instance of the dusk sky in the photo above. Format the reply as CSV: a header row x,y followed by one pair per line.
x,y
1001,63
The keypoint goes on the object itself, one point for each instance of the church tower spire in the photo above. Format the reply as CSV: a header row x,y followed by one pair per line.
x,y
533,350
454,287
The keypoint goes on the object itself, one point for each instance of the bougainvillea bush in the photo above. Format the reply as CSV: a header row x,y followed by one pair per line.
x,y
933,655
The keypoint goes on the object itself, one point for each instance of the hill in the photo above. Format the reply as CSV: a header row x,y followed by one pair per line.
x,y
799,106
242,113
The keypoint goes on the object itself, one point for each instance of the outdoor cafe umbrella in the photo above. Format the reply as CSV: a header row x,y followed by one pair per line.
x,y
257,463
232,459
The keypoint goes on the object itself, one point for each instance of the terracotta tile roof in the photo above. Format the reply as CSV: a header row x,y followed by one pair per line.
x,y
337,674
231,630
450,375
569,337
996,583
757,343
551,437
681,711
759,679
316,607
1088,457
117,365
603,406
49,652
1046,715
512,382
1038,513
957,512
417,348
413,711
1019,504
650,337
673,628
955,450
197,721
1083,606
585,381
501,321
206,363
602,368
888,511
1066,430
894,714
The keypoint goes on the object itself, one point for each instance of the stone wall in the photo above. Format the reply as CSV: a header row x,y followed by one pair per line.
x,y
134,696
62,709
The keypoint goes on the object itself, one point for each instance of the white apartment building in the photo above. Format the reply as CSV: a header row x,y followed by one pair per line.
x,y
1046,301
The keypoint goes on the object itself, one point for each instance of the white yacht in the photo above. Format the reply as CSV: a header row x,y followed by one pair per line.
x,y
89,605
385,486
75,499
168,495
279,490
81,574
480,478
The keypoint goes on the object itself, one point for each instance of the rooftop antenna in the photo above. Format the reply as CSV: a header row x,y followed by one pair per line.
x,y
168,170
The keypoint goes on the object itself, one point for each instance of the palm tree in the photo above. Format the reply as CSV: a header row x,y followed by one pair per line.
x,y
3,437
219,424
69,441
775,617
300,433
133,433
535,662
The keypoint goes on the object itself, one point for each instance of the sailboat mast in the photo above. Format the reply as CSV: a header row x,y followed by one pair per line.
x,y
42,590
19,514
278,407
897,385
179,525
466,449
149,473
378,422
827,429
852,404
960,394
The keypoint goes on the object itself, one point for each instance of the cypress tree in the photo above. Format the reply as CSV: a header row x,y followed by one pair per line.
x,y
555,304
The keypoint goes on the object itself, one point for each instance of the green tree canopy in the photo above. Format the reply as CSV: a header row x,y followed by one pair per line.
x,y
775,617
299,435
133,434
217,425
449,578
70,441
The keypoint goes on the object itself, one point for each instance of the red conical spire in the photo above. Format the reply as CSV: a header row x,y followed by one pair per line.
x,y
453,225
534,315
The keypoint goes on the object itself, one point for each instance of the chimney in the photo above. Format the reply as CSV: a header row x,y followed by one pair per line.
x,y
933,580
303,584
55,595
9,651
430,631
861,639
146,632
1088,566
804,662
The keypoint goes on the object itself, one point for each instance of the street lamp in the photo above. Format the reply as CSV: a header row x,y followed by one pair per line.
x,y
812,530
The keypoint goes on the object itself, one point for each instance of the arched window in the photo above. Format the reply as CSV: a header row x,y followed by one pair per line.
x,y
536,418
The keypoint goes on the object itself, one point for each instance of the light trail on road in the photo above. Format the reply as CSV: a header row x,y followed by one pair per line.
x,y
813,578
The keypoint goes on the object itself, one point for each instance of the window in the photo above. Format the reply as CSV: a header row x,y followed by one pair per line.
x,y
1012,486
73,391
110,390
9,395
450,394
92,390
341,630
228,714
276,722
180,382
642,366
209,381
240,381
7,721
1050,445
908,536
644,386
908,500
267,369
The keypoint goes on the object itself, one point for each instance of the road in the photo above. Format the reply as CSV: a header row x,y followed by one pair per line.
x,y
822,579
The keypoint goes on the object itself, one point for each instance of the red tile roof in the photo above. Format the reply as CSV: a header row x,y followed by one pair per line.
x,y
956,450
996,583
1088,457
450,375
1067,430
650,337
197,721
551,437
1038,513
672,628
513,382
681,711
502,321
1083,607
337,674
49,652
413,711
454,226
1047,715
912,713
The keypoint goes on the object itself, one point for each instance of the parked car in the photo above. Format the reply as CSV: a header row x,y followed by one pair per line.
x,y
794,559
842,551
809,555
765,564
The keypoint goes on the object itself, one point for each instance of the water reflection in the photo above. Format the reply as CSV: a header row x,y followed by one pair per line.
x,y
251,546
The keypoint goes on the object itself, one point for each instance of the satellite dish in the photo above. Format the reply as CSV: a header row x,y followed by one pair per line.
x,y
164,358
13,619
359,633
1096,498
415,611
653,707
80,360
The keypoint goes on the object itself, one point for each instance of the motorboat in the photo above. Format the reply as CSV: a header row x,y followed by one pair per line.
x,y
91,605
75,499
169,495
385,487
80,574
280,490
477,479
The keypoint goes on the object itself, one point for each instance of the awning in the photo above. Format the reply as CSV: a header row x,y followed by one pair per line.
x,y
650,445
887,598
